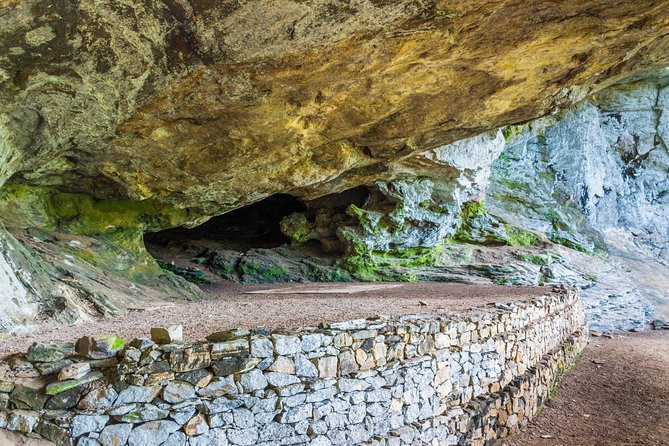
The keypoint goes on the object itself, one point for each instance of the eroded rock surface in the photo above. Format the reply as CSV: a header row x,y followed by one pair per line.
x,y
216,105
382,119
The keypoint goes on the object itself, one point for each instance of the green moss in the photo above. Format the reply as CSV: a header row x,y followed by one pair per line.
x,y
61,386
371,265
568,243
360,214
117,344
535,258
115,227
132,417
477,227
560,374
296,227
330,275
472,209
512,131
469,213
418,256
408,277
81,214
519,237
268,274
516,185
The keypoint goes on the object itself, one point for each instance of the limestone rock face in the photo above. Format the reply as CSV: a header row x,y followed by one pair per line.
x,y
607,160
598,178
122,118
577,198
212,105
417,206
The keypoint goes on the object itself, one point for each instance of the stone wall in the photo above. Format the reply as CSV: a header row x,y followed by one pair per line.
x,y
420,379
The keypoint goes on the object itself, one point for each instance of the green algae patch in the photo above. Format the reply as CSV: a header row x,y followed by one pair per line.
x,y
373,265
107,233
51,209
296,226
61,386
519,237
510,132
479,227
117,344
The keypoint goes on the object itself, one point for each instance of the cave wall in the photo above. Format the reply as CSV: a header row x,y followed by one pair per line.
x,y
596,179
579,197
535,203
604,168
68,257
118,118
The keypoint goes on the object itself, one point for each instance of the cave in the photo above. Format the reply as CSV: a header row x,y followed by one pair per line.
x,y
334,222
253,226
248,244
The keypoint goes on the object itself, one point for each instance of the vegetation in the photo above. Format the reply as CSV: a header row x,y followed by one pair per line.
x,y
370,265
296,227
478,227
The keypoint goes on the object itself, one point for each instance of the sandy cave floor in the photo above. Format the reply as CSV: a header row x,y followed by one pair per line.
x,y
618,395
288,306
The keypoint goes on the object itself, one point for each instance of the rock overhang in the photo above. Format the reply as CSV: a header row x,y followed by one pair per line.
x,y
212,107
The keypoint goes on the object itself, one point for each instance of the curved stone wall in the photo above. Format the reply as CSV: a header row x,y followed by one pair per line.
x,y
420,379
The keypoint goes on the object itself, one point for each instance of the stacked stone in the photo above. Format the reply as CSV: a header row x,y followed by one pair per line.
x,y
419,379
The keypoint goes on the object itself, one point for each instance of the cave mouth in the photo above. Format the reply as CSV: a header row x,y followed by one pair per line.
x,y
253,226
248,245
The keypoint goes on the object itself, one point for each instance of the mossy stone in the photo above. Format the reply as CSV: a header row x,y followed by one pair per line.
x,y
61,386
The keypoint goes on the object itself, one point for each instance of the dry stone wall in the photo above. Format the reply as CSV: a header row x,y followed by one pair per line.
x,y
421,379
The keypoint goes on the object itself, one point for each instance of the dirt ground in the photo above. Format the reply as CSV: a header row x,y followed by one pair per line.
x,y
618,395
289,305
